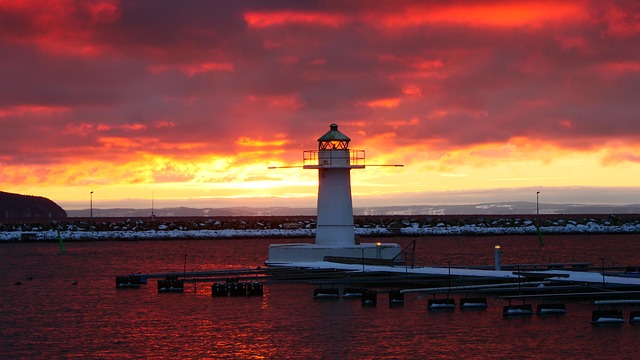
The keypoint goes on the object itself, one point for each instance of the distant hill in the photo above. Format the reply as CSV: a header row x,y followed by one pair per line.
x,y
25,207
502,208
193,212
507,208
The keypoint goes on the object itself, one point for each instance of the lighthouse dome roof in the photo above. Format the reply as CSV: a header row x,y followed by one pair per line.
x,y
334,135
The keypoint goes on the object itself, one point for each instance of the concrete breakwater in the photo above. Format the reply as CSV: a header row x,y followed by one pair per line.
x,y
89,229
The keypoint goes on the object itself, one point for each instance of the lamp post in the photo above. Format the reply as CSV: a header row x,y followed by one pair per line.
x,y
497,254
90,209
538,218
603,282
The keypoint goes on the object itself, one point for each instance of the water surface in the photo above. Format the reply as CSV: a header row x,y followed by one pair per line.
x,y
71,309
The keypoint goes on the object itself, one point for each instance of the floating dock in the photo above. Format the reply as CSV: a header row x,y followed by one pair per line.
x,y
510,285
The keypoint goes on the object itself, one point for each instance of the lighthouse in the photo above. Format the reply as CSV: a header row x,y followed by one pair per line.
x,y
335,233
334,161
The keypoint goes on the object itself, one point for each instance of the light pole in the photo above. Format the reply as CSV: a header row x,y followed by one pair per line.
x,y
603,282
90,209
538,218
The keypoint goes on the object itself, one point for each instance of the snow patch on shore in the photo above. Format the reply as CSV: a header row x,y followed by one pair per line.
x,y
411,230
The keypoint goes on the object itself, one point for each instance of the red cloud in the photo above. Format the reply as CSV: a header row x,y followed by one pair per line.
x,y
266,19
59,27
127,80
498,14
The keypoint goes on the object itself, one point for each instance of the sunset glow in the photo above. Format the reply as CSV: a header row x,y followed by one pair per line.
x,y
192,102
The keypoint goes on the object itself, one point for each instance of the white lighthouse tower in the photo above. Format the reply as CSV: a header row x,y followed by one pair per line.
x,y
335,238
334,162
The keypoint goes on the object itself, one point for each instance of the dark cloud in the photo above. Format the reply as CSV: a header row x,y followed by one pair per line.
x,y
165,73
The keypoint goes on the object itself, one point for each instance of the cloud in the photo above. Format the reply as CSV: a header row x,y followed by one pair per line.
x,y
484,14
133,82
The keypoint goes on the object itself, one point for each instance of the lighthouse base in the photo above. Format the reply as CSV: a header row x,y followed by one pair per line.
x,y
282,254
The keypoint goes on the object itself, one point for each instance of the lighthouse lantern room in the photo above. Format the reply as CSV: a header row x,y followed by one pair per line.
x,y
335,235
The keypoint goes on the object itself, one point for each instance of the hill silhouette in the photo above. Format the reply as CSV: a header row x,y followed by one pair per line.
x,y
26,207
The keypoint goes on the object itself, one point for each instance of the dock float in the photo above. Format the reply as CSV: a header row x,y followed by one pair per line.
x,y
326,293
600,317
473,303
370,298
353,292
553,308
171,286
128,282
517,310
396,298
237,289
441,304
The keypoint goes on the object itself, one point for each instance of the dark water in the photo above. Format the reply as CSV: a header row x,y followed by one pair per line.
x,y
50,317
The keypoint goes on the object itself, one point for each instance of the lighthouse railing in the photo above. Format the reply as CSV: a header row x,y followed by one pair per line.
x,y
329,158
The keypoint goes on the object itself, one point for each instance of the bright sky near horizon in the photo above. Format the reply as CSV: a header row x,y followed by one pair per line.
x,y
190,102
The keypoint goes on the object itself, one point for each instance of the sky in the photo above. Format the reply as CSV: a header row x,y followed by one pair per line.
x,y
187,103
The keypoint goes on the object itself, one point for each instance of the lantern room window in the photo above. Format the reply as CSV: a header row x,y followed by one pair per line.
x,y
334,145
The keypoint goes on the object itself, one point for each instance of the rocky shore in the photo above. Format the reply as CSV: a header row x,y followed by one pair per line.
x,y
91,229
